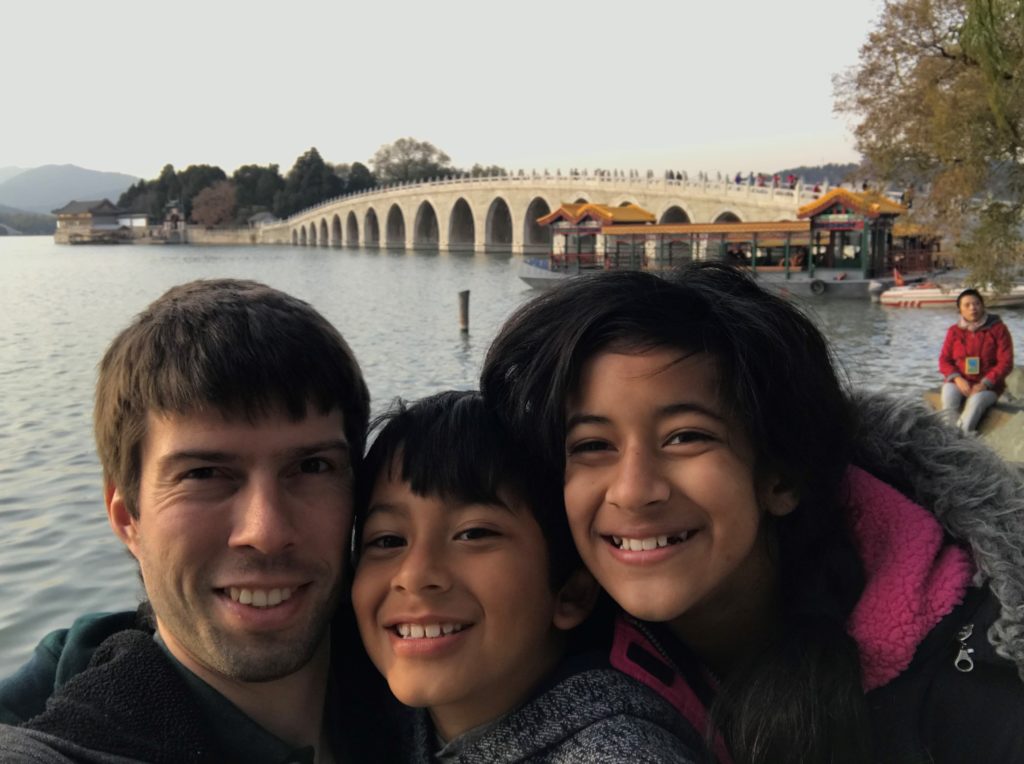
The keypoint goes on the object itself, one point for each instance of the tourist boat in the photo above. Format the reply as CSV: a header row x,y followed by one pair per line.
x,y
931,295
840,246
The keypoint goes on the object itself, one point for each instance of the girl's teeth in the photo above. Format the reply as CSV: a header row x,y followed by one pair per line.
x,y
647,544
426,631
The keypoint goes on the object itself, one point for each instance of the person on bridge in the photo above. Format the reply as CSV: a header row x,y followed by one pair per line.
x,y
808,574
975,360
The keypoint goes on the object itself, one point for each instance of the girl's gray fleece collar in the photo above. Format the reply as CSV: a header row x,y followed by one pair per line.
x,y
978,498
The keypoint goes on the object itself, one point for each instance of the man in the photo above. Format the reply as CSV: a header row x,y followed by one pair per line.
x,y
229,418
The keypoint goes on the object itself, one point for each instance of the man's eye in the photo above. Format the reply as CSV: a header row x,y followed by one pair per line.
x,y
473,534
315,465
200,473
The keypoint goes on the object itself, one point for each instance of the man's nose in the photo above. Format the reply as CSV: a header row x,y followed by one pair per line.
x,y
263,521
638,482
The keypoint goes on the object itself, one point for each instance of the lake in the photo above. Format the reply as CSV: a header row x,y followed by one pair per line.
x,y
61,306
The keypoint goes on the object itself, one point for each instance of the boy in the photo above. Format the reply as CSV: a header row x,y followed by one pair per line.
x,y
466,588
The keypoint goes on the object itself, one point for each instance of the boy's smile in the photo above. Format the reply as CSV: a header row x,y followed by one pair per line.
x,y
454,604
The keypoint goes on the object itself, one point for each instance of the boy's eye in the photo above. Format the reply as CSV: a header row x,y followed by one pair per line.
x,y
385,541
472,534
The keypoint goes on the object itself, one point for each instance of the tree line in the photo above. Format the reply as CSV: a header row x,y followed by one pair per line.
x,y
208,196
938,99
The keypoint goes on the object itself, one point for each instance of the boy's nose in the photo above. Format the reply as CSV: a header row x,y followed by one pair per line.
x,y
263,521
637,482
422,569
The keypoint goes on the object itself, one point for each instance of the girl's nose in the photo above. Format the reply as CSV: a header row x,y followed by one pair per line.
x,y
638,482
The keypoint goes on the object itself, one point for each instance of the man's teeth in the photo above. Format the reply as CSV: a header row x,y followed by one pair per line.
x,y
647,544
259,597
427,630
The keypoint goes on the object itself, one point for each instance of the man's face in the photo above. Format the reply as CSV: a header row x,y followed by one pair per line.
x,y
241,537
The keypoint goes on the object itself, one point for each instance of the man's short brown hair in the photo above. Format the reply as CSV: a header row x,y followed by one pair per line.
x,y
235,346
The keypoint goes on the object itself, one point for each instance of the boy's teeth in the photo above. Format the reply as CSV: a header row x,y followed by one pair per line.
x,y
427,630
647,544
260,597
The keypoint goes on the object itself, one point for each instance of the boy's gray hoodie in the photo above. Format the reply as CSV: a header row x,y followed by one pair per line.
x,y
598,716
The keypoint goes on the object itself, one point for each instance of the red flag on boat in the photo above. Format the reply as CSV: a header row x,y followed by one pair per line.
x,y
897,277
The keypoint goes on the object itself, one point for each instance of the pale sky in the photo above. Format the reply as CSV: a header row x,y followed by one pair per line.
x,y
714,86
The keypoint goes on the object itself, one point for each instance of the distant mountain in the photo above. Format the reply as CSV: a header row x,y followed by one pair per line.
x,y
9,172
46,188
19,221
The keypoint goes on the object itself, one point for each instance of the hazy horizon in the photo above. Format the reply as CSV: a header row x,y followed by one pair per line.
x,y
119,87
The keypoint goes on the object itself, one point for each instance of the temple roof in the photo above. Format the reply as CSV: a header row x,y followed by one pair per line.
x,y
94,206
867,203
608,215
915,229
777,227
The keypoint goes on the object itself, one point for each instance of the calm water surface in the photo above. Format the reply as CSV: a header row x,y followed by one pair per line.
x,y
61,306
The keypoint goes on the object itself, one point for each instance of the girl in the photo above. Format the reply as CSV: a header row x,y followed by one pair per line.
x,y
793,606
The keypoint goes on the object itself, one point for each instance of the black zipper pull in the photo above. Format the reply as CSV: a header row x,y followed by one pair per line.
x,y
964,662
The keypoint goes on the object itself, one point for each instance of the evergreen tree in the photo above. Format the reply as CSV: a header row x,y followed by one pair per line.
x,y
309,182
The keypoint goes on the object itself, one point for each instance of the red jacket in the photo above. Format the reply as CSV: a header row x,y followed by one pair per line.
x,y
991,344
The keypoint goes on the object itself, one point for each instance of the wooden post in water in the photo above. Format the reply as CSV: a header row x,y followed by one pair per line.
x,y
464,311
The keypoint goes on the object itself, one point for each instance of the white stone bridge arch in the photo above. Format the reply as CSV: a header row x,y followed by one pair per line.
x,y
498,214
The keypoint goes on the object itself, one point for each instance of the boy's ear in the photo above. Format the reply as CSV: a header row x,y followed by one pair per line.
x,y
575,600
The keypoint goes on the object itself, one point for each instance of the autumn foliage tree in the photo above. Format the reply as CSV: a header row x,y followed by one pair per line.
x,y
214,205
938,99
408,159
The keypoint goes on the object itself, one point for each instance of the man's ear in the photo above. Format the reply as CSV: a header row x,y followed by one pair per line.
x,y
575,600
124,525
779,497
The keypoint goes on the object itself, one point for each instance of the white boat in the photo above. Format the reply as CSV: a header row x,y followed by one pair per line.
x,y
932,295
538,274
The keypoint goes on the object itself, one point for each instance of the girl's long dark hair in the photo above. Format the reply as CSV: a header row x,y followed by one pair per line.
x,y
800,699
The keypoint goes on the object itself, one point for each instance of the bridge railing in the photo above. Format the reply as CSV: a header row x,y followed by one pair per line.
x,y
800,193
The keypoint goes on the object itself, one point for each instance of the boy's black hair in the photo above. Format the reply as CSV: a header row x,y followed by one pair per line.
x,y
452,446
970,293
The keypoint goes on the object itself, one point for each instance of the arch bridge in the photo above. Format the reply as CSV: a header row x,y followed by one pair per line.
x,y
499,213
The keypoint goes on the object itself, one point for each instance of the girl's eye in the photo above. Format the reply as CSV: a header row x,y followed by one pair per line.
x,y
473,534
385,541
684,437
587,447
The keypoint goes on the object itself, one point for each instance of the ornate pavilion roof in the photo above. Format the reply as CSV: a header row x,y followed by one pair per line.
x,y
867,203
607,215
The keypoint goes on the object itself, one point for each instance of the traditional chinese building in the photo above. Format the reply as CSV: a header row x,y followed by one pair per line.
x,y
88,222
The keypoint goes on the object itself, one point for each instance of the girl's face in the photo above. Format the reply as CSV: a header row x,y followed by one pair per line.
x,y
661,493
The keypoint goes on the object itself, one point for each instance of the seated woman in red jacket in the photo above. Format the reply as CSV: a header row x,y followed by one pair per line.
x,y
975,359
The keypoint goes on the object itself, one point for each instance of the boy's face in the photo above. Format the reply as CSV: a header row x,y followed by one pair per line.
x,y
454,604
